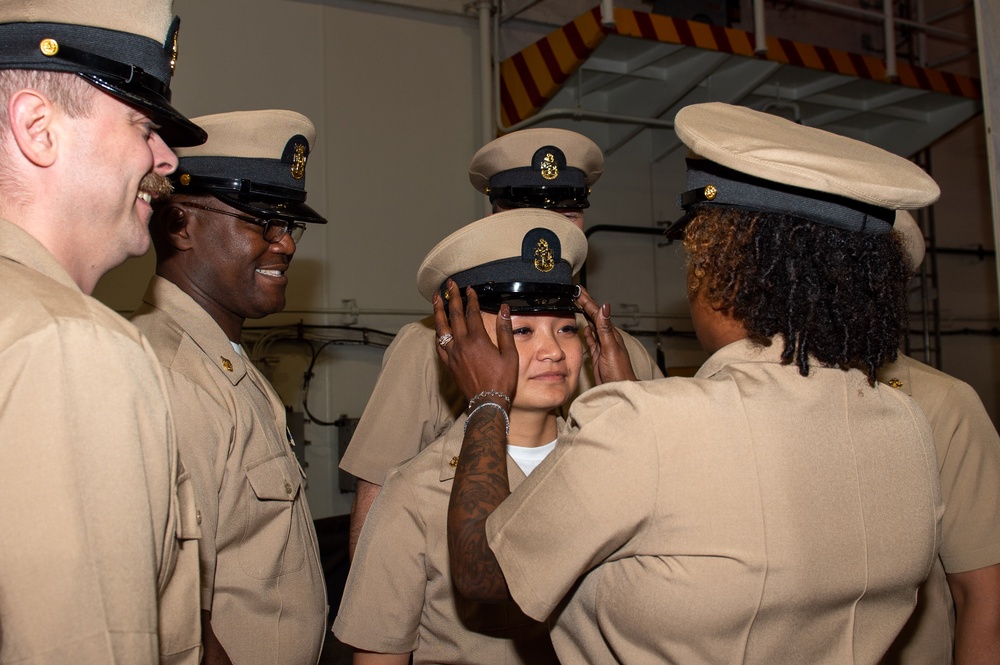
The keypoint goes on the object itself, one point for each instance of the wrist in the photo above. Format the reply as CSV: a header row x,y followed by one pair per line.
x,y
489,396
487,408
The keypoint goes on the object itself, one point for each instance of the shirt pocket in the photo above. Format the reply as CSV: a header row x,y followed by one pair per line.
x,y
272,543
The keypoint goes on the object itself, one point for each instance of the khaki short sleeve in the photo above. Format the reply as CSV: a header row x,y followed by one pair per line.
x,y
382,603
970,480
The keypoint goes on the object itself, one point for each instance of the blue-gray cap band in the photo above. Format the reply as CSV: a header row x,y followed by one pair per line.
x,y
712,184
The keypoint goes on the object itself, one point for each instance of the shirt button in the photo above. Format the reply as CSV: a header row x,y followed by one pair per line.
x,y
197,516
288,487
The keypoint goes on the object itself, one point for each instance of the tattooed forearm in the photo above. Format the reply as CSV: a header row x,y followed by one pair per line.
x,y
480,485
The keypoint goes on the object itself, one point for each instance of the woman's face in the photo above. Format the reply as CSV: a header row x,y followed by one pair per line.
x,y
550,354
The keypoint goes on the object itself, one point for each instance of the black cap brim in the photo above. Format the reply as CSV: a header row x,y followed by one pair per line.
x,y
526,297
268,209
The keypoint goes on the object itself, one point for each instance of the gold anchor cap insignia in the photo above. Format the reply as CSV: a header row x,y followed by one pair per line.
x,y
544,261
299,162
49,47
227,364
550,170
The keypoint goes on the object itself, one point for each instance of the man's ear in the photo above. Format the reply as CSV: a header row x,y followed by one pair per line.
x,y
33,126
175,224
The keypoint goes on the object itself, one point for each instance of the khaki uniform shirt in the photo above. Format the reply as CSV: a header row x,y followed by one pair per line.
x,y
968,456
399,596
415,400
746,515
95,513
261,573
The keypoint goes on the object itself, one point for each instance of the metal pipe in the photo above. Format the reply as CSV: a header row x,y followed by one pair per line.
x,y
961,55
948,13
608,13
580,114
484,8
759,30
921,60
889,30
878,17
495,83
520,10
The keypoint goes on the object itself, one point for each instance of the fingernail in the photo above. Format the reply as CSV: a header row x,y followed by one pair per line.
x,y
606,310
504,312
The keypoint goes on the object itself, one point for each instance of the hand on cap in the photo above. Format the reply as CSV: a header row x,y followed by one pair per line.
x,y
477,364
607,348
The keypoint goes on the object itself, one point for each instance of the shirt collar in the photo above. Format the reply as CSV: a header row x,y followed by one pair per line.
x,y
21,247
167,297
741,351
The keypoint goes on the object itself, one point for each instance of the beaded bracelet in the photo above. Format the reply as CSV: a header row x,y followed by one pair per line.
x,y
506,420
489,393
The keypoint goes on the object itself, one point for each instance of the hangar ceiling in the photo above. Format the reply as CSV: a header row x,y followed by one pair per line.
x,y
628,80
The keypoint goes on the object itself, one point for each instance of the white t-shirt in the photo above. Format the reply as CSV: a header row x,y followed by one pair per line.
x,y
529,458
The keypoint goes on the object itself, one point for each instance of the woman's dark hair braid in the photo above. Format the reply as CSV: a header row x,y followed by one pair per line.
x,y
835,295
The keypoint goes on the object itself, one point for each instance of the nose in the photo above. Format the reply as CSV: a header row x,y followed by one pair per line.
x,y
164,159
549,348
285,245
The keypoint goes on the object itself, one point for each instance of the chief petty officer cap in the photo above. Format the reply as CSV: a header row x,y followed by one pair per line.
x,y
757,161
127,48
254,161
538,168
524,258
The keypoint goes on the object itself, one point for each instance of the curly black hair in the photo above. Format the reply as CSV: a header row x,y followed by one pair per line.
x,y
836,296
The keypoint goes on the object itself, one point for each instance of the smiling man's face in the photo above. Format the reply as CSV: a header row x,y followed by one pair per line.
x,y
115,147
237,273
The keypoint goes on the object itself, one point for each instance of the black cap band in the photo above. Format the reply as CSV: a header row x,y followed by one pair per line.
x,y
131,67
525,297
712,184
21,48
258,177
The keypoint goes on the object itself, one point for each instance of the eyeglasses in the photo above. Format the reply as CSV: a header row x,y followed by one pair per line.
x,y
274,229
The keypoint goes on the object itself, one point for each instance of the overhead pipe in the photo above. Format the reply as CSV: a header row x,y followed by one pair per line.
x,y
608,13
889,29
874,16
484,10
520,10
759,29
581,114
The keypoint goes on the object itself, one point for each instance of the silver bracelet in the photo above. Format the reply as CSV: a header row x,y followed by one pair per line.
x,y
506,420
489,393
